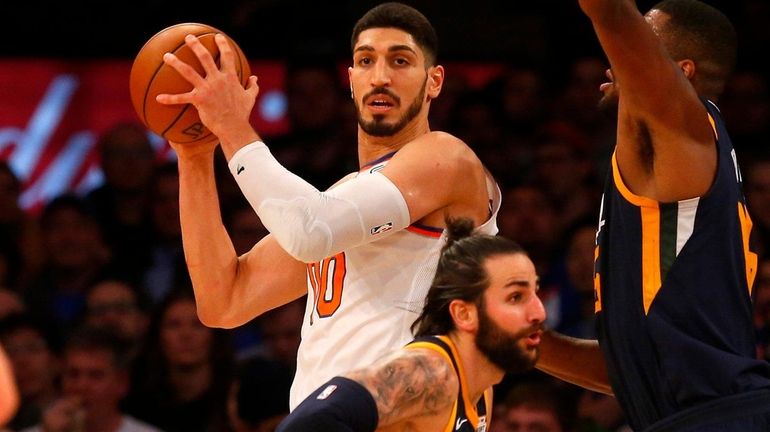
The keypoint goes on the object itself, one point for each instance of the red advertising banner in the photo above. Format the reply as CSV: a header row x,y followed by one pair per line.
x,y
53,112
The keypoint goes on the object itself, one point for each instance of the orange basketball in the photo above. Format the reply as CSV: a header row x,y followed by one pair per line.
x,y
150,77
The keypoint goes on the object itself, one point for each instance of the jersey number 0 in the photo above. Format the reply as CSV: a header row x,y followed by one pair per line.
x,y
327,278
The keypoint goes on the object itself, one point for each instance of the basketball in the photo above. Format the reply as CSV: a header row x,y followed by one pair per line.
x,y
150,77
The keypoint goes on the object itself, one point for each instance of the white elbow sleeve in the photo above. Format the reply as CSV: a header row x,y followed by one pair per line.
x,y
312,225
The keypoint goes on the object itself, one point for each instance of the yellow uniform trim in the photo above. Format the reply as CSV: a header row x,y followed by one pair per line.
x,y
714,126
470,407
631,197
650,213
651,280
597,285
750,257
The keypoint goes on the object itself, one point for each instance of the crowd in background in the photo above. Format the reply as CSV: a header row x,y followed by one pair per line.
x,y
112,259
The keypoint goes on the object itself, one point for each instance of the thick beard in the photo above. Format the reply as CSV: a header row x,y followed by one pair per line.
x,y
501,347
378,128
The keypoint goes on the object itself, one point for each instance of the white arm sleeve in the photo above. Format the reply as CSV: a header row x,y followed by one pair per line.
x,y
309,224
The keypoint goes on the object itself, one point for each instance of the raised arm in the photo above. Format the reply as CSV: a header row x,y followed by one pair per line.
x,y
577,361
229,290
662,124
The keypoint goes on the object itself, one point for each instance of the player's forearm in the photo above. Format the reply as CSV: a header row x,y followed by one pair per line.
x,y
209,253
577,361
309,224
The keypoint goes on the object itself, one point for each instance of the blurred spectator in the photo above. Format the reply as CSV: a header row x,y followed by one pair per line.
x,y
121,204
476,120
245,230
95,377
579,104
33,349
599,412
452,91
10,303
316,147
762,307
534,406
528,216
21,252
259,396
571,276
115,304
281,332
520,95
167,270
244,226
76,257
523,100
756,183
564,171
746,108
183,374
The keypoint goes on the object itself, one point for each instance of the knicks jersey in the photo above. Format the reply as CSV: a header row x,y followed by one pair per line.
x,y
673,294
362,301
466,416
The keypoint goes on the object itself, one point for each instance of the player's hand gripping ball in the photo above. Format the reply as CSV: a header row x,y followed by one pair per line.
x,y
151,77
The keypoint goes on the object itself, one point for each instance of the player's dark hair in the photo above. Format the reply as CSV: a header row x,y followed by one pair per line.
x,y
402,17
460,274
700,32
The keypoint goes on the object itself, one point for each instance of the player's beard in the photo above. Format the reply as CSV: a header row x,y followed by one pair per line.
x,y
502,348
377,126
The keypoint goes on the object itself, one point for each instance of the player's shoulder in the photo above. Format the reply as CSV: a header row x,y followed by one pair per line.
x,y
440,145
434,361
441,138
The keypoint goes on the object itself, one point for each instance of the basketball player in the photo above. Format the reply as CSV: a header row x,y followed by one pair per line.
x,y
366,250
674,270
482,318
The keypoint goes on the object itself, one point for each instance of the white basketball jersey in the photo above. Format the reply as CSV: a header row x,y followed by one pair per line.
x,y
362,302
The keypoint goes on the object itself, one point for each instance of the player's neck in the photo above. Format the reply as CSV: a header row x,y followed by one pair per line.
x,y
372,148
480,373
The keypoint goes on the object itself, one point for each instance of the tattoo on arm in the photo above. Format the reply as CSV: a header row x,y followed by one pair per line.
x,y
409,383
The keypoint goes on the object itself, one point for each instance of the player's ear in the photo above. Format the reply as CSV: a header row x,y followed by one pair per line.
x,y
435,81
464,314
688,68
350,80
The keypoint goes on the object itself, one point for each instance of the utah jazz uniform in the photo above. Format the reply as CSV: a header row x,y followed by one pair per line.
x,y
362,301
466,417
673,300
